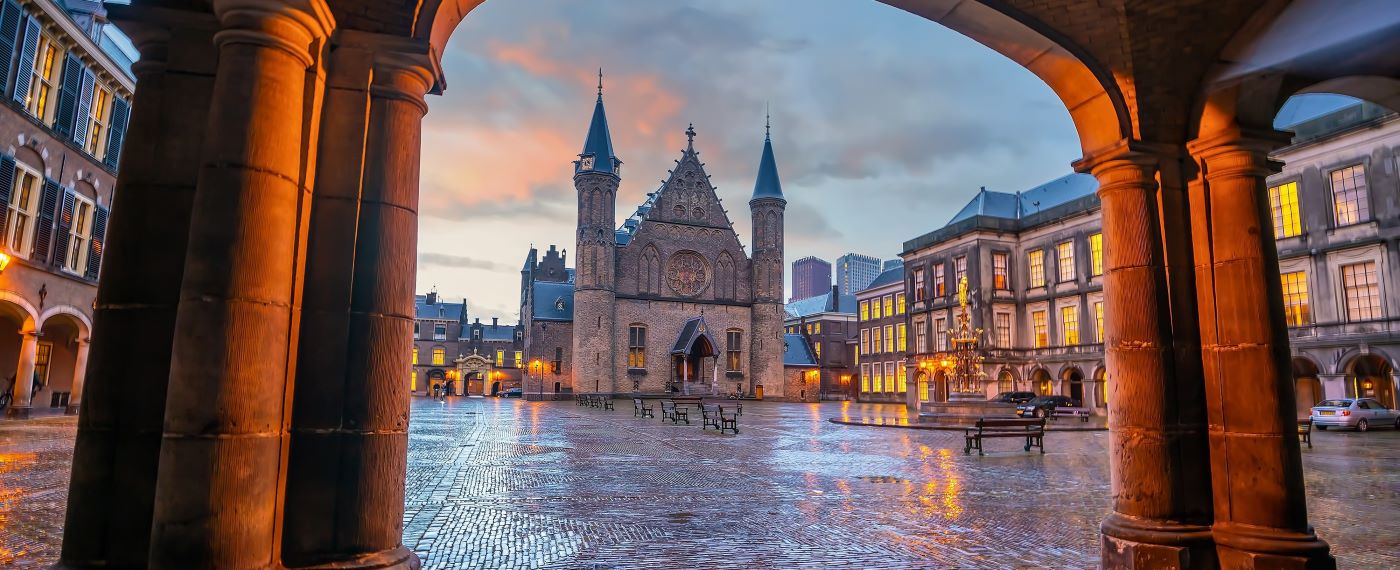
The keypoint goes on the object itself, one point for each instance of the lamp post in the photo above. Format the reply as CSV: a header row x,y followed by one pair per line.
x,y
535,369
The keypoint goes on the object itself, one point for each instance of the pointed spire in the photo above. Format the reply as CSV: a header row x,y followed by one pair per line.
x,y
690,138
597,155
767,122
767,185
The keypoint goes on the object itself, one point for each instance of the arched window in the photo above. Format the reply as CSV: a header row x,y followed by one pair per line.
x,y
1005,382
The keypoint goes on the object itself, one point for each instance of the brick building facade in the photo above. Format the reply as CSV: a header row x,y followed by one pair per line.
x,y
462,356
827,323
883,339
65,91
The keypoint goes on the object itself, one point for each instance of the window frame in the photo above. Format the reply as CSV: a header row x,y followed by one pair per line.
x,y
1297,303
939,280
1360,196
1096,254
1284,209
30,213
918,276
439,356
1064,261
734,351
1002,323
1351,307
636,346
1040,327
1001,277
1069,325
80,234
99,120
44,87
1035,260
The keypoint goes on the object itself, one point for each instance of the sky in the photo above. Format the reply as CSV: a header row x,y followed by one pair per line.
x,y
883,123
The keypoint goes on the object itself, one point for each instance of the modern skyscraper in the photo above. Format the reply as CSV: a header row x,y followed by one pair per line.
x,y
854,272
811,276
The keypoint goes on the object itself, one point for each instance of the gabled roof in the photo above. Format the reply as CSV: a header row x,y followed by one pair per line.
x,y
824,303
1021,204
887,277
1308,106
693,330
498,332
548,297
439,310
796,351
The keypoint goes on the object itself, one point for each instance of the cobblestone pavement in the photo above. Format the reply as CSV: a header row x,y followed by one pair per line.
x,y
511,484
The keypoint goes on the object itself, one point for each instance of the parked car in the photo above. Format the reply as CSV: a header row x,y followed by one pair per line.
x,y
1013,397
511,393
1043,406
1360,413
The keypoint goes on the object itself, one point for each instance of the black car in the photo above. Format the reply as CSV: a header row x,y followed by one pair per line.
x,y
511,393
1013,397
1043,406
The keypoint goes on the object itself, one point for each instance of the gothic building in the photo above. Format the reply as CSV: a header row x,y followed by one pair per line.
x,y
668,302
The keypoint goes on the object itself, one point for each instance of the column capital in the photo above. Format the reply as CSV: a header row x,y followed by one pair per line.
x,y
1127,151
295,26
398,53
1238,151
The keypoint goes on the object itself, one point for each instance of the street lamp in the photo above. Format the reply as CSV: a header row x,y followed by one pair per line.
x,y
539,378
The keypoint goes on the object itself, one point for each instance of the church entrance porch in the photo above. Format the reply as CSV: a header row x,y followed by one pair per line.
x,y
694,360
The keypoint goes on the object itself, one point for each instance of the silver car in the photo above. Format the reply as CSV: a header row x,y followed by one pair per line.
x,y
1359,413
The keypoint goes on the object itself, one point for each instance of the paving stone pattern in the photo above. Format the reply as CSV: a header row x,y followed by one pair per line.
x,y
511,484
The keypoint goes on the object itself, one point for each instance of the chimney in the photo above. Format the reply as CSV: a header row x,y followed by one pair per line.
x,y
432,297
493,322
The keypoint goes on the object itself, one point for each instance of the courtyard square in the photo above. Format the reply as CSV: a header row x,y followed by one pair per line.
x,y
503,483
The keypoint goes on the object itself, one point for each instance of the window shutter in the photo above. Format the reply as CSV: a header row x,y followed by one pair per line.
x,y
7,184
9,30
116,134
24,74
69,84
65,229
99,242
81,121
43,225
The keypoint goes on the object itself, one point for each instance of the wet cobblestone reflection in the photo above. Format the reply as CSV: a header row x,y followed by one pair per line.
x,y
512,484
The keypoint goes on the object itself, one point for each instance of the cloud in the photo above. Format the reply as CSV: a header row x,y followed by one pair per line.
x,y
461,261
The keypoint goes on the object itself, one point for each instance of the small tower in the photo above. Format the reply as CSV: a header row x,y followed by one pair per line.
x,y
766,207
596,177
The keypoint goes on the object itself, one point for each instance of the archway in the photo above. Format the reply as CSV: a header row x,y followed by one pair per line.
x,y
940,386
1076,47
1072,384
921,378
1006,381
1041,382
1101,380
1306,385
1371,376
61,358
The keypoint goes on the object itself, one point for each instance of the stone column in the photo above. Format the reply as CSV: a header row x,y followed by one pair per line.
x,y
22,403
1261,518
1161,506
350,439
222,462
75,398
112,488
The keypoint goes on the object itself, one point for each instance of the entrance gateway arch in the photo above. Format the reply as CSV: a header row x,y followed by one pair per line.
x,y
270,192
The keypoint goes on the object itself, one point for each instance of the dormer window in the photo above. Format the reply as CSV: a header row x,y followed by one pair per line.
x,y
476,334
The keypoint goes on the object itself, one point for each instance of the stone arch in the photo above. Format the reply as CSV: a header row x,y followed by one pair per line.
x,y
1041,381
1371,375
1007,379
1307,387
1101,382
24,311
1072,382
30,155
724,276
649,270
72,312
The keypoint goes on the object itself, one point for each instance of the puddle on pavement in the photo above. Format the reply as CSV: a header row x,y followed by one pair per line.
x,y
882,479
680,518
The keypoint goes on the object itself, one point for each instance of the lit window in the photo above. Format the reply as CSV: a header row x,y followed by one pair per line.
x,y
519,359
1069,325
1362,294
1349,195
877,344
889,377
999,277
865,378
1004,330
1098,321
817,347
961,267
413,381
878,382
1037,262
439,356
636,346
903,345
1065,254
500,358
24,205
415,355
45,72
889,305
865,341
816,328
889,338
918,284
875,308
938,285
865,310
733,356
1283,204
1295,298
1042,334
940,334
899,302
1096,254
98,116
80,235
901,379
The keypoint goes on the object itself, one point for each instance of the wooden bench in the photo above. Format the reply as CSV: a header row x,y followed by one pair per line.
x,y
640,409
1082,413
581,399
1305,431
670,411
605,402
709,416
728,419
1032,429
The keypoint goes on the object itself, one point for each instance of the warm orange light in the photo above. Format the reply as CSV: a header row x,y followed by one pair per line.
x,y
4,261
1367,385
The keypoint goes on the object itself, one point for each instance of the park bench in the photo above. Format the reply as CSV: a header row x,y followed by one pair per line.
x,y
670,411
605,402
1305,431
640,409
1082,413
1032,429
728,419
581,399
709,416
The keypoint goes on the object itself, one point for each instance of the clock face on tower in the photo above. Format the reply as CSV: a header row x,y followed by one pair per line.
x,y
586,163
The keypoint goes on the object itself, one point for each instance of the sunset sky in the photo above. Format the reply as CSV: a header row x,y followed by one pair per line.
x,y
884,124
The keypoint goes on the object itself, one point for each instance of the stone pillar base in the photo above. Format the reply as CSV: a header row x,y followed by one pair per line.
x,y
17,413
1145,544
1246,547
72,409
397,558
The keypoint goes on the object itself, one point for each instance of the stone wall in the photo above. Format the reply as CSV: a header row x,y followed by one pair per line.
x,y
664,320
